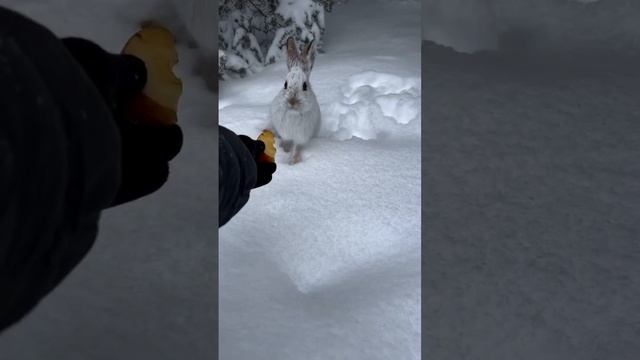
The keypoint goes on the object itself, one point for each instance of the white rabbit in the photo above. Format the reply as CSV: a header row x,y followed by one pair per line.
x,y
295,112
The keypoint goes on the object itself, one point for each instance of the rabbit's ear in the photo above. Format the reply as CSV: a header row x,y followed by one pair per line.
x,y
309,53
292,53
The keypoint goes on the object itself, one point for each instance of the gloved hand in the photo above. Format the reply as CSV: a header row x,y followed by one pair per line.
x,y
146,149
265,170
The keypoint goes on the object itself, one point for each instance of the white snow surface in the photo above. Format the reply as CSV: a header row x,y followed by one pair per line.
x,y
324,262
145,290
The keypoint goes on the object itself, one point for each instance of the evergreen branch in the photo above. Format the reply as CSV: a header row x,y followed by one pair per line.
x,y
261,12
257,8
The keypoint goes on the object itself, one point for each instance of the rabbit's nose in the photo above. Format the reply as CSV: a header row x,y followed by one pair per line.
x,y
293,101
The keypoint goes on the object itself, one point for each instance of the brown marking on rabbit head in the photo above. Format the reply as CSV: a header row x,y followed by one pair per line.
x,y
304,60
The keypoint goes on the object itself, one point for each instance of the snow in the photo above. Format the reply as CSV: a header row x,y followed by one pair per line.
x,y
198,16
532,211
145,291
306,19
324,262
297,10
375,105
541,25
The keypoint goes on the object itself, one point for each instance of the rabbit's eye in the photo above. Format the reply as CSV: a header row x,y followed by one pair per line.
x,y
285,84
304,86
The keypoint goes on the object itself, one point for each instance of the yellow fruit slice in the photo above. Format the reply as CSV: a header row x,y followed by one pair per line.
x,y
269,141
158,103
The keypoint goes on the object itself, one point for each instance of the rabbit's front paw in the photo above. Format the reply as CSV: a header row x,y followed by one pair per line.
x,y
287,145
296,156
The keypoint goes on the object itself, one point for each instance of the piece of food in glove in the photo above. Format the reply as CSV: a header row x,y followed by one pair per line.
x,y
269,154
158,103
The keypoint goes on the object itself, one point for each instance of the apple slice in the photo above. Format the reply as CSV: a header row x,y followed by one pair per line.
x,y
158,103
269,154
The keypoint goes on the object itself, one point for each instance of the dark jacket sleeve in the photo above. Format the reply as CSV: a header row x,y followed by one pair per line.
x,y
59,164
237,175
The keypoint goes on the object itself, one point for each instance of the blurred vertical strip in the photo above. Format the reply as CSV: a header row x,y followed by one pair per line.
x,y
530,166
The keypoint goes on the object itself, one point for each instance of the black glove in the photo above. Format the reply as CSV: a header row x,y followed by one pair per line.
x,y
146,149
265,170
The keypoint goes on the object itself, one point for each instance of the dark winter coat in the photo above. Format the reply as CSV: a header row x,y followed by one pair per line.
x,y
237,175
59,164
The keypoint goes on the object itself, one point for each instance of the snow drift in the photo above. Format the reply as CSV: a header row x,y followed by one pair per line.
x,y
580,26
375,105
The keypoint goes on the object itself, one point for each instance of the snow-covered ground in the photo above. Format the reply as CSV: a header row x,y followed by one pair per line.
x,y
145,290
324,262
532,207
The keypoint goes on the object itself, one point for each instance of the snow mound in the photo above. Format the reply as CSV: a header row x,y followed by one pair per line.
x,y
199,18
580,26
374,105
